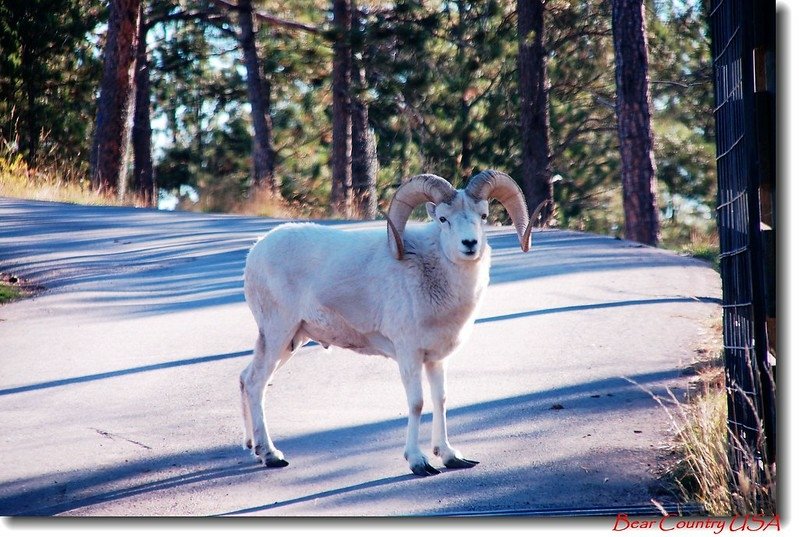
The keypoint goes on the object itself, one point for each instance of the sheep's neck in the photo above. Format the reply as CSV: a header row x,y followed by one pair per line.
x,y
451,286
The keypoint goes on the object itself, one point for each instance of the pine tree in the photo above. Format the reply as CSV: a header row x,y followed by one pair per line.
x,y
143,181
341,151
111,136
48,77
535,179
258,91
364,149
641,222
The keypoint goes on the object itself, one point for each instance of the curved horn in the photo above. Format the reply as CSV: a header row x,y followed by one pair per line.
x,y
415,191
493,184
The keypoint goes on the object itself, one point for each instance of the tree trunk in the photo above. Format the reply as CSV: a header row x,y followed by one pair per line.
x,y
364,164
112,126
463,128
263,154
465,157
534,107
635,122
31,145
142,181
364,147
341,150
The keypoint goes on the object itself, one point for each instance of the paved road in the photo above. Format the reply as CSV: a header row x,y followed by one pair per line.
x,y
118,383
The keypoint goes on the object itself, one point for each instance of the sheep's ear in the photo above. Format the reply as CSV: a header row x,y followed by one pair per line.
x,y
431,209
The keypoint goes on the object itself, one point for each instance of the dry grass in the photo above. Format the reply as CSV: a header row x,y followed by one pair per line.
x,y
704,245
61,183
698,243
704,473
56,182
265,204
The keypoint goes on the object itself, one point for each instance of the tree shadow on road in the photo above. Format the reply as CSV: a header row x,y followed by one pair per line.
x,y
358,487
122,372
145,262
142,263
239,354
324,463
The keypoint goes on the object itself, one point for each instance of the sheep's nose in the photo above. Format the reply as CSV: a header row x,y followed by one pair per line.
x,y
469,243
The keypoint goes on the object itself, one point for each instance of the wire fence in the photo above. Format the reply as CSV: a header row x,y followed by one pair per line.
x,y
743,167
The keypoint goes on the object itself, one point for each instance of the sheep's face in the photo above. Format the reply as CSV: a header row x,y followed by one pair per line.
x,y
461,225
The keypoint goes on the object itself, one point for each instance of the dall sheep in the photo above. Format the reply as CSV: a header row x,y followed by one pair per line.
x,y
412,297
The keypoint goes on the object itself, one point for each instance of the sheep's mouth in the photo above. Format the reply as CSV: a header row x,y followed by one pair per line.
x,y
470,253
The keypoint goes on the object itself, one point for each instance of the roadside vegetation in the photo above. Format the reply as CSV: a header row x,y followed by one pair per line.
x,y
63,181
8,293
53,180
700,241
703,473
8,290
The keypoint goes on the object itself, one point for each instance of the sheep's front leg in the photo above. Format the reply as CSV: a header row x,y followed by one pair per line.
x,y
437,377
411,371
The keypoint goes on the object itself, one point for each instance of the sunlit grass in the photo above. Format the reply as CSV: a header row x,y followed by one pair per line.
x,y
263,203
704,473
8,293
698,243
52,179
60,183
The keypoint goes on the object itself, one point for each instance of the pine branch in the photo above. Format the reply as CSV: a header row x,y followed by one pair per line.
x,y
684,85
270,19
217,21
583,128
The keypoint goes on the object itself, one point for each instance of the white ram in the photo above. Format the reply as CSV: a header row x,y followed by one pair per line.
x,y
412,297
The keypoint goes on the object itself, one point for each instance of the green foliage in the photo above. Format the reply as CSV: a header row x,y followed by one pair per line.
x,y
397,75
441,86
297,68
202,114
585,161
8,293
218,168
49,70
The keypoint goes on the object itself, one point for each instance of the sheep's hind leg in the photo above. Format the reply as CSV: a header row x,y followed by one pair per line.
x,y
411,372
254,379
437,377
245,409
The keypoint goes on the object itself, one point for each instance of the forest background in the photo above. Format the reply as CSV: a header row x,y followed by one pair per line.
x,y
428,86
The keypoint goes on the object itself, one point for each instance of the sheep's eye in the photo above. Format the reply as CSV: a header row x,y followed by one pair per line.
x,y
442,219
483,216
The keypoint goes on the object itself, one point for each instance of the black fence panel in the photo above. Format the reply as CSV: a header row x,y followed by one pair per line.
x,y
742,45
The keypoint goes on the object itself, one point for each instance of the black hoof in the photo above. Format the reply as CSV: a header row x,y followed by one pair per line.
x,y
270,459
424,470
455,463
